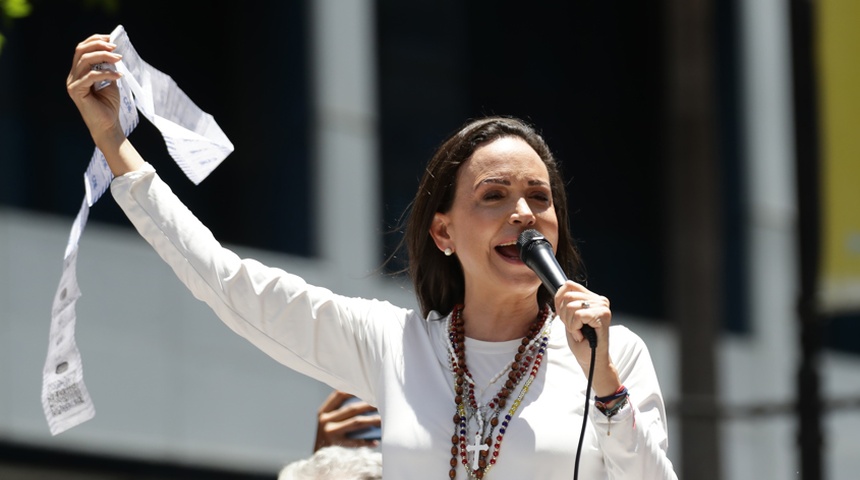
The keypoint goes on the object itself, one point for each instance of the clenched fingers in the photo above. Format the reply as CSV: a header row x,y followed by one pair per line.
x,y
578,306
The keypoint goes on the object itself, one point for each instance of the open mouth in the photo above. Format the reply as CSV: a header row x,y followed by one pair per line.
x,y
509,250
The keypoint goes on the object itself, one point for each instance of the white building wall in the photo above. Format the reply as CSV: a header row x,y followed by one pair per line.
x,y
168,379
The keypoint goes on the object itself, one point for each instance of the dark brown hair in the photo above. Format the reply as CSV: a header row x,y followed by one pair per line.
x,y
438,280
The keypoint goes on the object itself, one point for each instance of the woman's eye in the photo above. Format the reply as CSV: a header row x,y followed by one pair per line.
x,y
492,195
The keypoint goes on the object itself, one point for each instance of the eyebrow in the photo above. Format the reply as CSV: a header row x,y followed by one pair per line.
x,y
502,181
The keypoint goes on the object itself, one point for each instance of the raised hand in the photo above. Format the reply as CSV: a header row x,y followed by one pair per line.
x,y
99,108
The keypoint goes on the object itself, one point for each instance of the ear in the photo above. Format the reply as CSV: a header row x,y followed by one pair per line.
x,y
439,231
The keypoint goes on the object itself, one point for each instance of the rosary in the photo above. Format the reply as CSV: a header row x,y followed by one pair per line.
x,y
488,419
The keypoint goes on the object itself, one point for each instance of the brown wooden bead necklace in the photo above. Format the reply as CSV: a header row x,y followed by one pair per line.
x,y
527,361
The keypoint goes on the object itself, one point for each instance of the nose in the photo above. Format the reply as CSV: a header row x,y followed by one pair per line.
x,y
522,213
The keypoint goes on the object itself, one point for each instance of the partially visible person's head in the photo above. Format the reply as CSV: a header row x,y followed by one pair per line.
x,y
438,279
336,463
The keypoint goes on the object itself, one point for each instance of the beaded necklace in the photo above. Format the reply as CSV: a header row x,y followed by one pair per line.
x,y
485,447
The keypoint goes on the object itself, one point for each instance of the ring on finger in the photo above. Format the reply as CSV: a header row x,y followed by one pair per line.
x,y
585,304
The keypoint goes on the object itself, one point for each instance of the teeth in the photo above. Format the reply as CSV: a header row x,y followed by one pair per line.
x,y
508,244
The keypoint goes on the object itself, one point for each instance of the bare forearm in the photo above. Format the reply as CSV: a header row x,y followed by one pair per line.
x,y
606,381
119,152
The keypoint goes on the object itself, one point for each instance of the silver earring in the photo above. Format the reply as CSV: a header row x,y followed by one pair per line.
x,y
449,252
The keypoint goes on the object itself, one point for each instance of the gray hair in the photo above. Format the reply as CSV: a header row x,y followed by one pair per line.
x,y
336,462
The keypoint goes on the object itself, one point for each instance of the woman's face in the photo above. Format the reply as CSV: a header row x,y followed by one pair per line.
x,y
502,190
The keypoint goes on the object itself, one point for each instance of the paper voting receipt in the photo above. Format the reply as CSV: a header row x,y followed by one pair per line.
x,y
195,142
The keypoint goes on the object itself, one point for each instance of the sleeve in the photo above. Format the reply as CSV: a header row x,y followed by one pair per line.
x,y
635,440
334,339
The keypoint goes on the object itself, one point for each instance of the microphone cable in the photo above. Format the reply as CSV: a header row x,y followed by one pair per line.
x,y
593,345
536,252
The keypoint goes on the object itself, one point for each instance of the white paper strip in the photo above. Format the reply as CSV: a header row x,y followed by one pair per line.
x,y
196,143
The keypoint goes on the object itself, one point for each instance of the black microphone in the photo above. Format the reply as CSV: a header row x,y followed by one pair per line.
x,y
536,252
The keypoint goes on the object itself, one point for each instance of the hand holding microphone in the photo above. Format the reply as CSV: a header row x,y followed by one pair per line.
x,y
536,252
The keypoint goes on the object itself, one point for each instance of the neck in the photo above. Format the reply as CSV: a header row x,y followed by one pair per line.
x,y
494,319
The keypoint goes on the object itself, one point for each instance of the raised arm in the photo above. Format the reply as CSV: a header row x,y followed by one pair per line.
x,y
328,337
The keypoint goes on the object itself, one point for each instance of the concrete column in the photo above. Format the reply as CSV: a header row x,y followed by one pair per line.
x,y
346,164
695,232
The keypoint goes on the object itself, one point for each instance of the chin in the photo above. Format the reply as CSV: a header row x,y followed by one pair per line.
x,y
525,282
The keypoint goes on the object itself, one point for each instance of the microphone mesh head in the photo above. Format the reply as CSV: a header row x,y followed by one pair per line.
x,y
527,238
